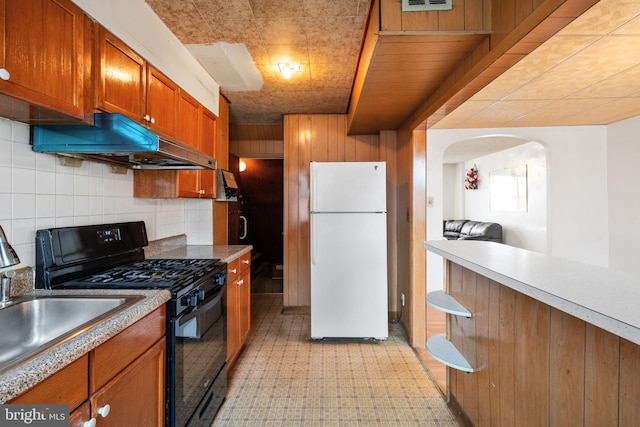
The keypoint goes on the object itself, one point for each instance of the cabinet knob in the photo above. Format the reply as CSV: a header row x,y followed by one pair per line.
x,y
152,120
146,117
90,423
233,271
4,74
240,282
104,410
245,261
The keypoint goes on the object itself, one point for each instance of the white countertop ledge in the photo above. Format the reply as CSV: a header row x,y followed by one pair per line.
x,y
605,298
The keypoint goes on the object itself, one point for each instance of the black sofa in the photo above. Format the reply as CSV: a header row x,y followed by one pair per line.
x,y
464,229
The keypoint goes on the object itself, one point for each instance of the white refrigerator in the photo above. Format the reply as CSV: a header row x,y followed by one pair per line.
x,y
348,250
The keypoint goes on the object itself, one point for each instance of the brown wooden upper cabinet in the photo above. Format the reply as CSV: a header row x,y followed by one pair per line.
x,y
208,137
127,84
198,127
120,77
42,62
162,102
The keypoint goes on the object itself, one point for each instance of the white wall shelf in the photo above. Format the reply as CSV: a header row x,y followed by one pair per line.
x,y
445,302
445,352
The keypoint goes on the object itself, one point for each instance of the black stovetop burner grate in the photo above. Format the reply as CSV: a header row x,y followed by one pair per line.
x,y
160,273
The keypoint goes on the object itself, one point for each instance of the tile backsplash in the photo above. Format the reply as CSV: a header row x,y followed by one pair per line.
x,y
37,192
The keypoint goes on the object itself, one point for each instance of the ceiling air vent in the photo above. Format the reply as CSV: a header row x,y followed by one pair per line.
x,y
421,5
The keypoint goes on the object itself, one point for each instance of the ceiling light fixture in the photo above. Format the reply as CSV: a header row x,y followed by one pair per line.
x,y
288,68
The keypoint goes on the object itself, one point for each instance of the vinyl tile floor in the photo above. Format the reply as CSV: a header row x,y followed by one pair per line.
x,y
283,378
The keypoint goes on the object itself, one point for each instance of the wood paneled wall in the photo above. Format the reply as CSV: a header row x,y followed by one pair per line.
x,y
466,15
257,148
324,138
221,209
538,366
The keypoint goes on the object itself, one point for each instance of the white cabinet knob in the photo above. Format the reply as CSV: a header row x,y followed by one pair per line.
x,y
146,117
152,120
90,423
104,410
240,282
233,271
245,261
4,74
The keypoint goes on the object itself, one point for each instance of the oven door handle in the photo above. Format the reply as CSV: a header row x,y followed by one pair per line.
x,y
206,305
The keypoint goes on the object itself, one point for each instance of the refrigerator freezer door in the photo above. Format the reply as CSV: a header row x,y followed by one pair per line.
x,y
348,187
349,276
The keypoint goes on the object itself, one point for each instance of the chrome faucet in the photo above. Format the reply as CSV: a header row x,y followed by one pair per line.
x,y
5,287
8,257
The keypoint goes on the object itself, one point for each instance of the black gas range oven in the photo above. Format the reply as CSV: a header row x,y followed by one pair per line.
x,y
111,256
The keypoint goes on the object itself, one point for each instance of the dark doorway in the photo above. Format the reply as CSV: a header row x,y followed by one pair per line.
x,y
260,210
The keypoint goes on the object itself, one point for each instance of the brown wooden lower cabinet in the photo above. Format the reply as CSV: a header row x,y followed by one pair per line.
x,y
135,397
537,366
238,306
133,390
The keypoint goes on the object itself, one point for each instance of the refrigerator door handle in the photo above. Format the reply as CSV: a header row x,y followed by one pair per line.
x,y
244,227
313,179
313,240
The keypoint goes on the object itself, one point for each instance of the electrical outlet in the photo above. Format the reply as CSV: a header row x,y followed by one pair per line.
x,y
402,299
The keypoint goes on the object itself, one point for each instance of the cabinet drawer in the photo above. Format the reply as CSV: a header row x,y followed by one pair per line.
x,y
245,262
68,386
114,355
233,270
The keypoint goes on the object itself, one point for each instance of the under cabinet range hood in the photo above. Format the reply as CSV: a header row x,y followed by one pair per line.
x,y
226,186
118,140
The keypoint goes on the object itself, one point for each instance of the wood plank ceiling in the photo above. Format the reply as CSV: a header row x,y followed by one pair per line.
x,y
404,70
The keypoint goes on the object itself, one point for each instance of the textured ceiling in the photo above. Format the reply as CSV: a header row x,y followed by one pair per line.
x,y
587,74
324,36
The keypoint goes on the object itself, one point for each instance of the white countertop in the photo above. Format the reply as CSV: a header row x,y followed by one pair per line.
x,y
603,297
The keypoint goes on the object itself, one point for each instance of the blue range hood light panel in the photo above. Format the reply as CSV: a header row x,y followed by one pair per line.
x,y
111,134
116,139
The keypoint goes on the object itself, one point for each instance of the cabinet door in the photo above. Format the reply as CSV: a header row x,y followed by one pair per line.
x,y
244,306
136,395
120,77
188,120
43,53
162,102
188,132
233,314
208,128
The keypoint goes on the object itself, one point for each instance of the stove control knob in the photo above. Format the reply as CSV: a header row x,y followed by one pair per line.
x,y
192,299
201,295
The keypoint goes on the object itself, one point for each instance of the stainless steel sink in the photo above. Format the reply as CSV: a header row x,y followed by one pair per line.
x,y
32,325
